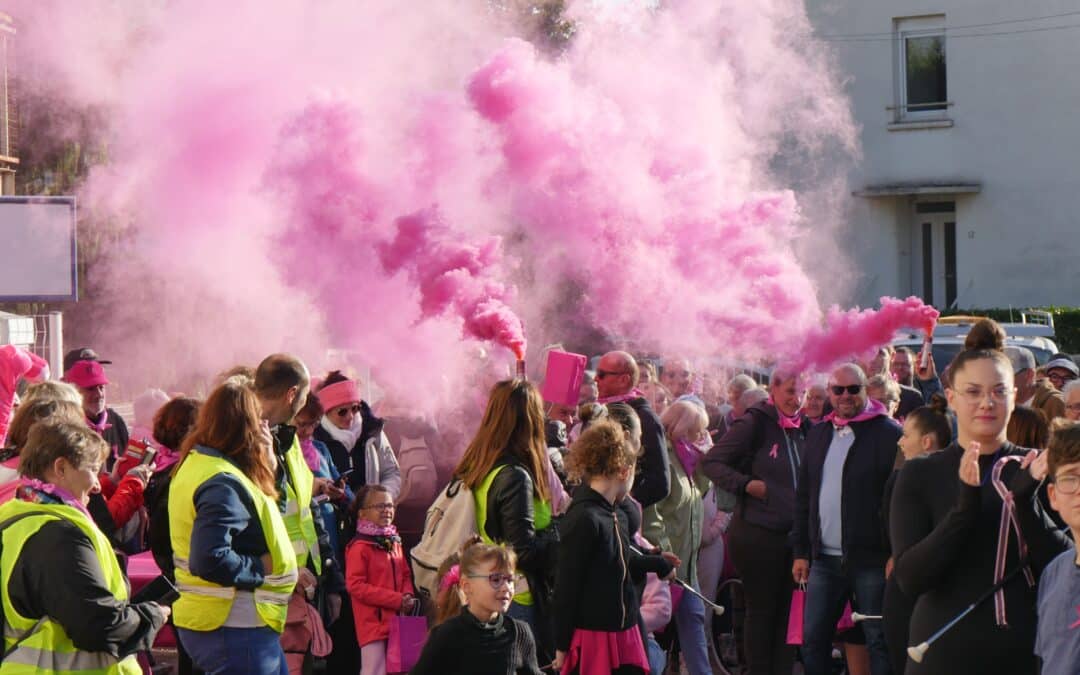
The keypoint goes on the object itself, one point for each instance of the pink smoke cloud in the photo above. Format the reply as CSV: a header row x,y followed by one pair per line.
x,y
374,180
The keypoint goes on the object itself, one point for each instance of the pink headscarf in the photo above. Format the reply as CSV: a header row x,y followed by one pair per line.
x,y
338,394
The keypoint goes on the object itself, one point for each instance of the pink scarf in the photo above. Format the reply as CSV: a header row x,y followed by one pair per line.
x,y
690,454
165,458
786,421
873,409
622,398
311,454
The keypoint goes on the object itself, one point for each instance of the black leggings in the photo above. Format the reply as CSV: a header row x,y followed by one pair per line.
x,y
763,559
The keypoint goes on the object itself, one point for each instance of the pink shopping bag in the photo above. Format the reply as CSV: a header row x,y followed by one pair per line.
x,y
845,622
407,635
795,616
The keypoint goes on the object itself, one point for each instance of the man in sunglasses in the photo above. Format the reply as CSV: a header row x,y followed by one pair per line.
x,y
838,535
617,377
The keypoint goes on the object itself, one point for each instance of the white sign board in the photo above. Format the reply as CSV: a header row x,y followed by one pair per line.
x,y
38,253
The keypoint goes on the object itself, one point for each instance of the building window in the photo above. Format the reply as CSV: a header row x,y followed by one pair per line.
x,y
921,86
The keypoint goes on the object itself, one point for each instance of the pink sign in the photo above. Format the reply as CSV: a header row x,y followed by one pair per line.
x,y
562,382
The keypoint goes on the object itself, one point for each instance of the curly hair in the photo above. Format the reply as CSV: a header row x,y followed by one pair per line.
x,y
602,450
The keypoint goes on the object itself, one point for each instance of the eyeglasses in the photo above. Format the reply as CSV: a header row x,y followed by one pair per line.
x,y
1073,407
1069,484
380,507
344,412
601,374
976,395
1059,379
496,579
852,389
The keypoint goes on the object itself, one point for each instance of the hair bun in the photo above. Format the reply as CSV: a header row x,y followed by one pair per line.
x,y
986,334
939,403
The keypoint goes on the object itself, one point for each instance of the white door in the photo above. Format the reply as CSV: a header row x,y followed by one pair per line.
x,y
933,242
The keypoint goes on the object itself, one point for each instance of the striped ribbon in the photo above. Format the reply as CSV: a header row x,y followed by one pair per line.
x,y
1008,517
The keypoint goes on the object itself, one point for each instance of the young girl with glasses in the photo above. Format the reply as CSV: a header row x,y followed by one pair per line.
x,y
377,575
482,638
597,616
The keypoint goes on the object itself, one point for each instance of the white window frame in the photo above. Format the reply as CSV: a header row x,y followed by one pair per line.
x,y
916,27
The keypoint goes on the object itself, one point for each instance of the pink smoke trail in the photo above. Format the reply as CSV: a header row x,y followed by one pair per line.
x,y
854,333
454,275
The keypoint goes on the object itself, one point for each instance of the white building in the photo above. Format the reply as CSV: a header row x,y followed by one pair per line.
x,y
968,190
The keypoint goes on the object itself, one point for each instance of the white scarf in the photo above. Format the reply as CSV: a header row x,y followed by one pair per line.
x,y
346,437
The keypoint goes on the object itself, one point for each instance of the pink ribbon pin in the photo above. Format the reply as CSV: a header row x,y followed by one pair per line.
x,y
775,449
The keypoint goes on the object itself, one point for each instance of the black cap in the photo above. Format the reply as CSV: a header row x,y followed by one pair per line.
x,y
81,354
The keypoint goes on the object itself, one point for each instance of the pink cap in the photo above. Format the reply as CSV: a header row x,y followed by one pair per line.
x,y
86,374
338,394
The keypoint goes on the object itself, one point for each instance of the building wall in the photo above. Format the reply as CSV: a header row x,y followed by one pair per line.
x,y
1016,131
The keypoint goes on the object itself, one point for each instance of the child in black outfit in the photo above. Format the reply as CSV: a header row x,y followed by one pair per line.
x,y
597,615
482,639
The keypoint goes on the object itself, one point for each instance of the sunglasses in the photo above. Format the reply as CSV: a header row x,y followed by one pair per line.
x,y
496,579
601,374
852,389
345,412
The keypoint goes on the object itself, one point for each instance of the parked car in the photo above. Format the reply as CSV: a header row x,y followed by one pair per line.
x,y
1034,331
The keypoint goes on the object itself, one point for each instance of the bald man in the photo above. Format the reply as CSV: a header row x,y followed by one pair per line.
x,y
838,536
616,382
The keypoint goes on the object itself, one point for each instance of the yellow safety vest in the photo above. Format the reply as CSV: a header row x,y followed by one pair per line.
x,y
42,645
298,520
541,521
204,605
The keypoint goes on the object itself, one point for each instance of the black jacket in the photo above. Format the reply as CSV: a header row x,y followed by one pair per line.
x,y
346,459
511,520
866,470
755,447
593,588
116,436
57,573
652,482
465,646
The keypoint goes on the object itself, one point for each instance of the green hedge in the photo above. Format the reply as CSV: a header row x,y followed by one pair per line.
x,y
1066,322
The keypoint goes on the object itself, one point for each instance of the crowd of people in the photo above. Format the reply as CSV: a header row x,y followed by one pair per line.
x,y
913,515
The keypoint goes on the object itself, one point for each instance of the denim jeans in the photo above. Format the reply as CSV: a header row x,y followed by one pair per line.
x,y
657,656
235,651
690,624
830,587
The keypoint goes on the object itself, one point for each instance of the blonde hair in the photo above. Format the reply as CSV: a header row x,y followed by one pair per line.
x,y
41,410
684,420
52,390
513,423
889,387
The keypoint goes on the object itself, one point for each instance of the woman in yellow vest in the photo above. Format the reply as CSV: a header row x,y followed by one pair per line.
x,y
505,466
235,565
65,600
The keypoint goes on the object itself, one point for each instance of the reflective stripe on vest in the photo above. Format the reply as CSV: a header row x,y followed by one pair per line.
x,y
204,605
42,645
298,520
541,521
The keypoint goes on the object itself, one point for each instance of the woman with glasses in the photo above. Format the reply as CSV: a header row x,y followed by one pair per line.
x,y
377,575
963,520
1071,392
505,467
482,638
354,436
758,461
